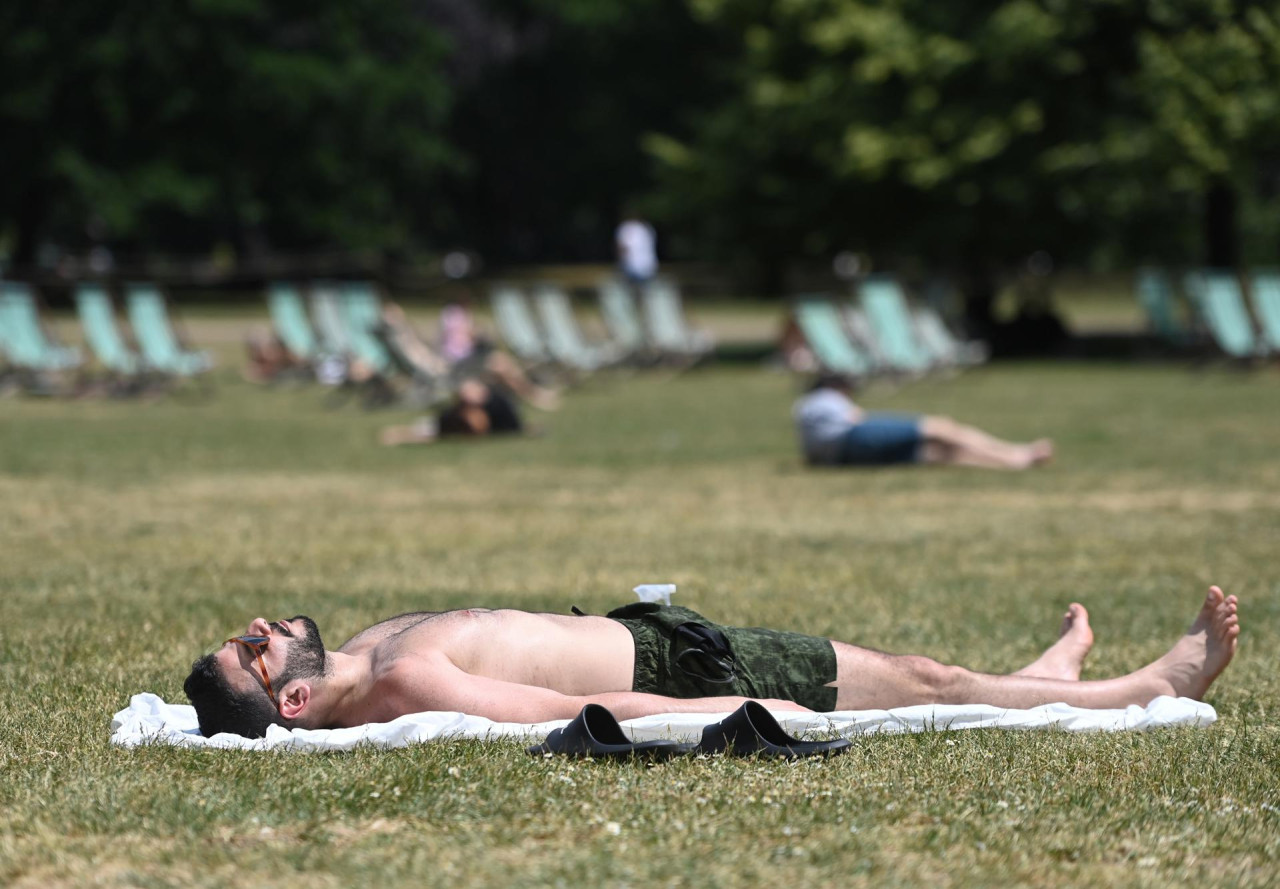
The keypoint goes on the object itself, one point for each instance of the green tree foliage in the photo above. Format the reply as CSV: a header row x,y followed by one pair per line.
x,y
970,134
177,123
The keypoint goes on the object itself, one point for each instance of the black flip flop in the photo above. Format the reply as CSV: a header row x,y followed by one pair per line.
x,y
595,733
751,730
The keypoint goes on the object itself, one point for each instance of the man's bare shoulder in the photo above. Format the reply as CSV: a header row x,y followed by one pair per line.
x,y
413,682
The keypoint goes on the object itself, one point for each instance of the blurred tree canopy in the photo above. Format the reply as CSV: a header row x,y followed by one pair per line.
x,y
971,134
181,123
962,135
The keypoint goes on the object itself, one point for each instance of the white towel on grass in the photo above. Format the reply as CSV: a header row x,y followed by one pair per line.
x,y
149,720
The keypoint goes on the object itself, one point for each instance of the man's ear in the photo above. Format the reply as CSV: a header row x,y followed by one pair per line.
x,y
294,699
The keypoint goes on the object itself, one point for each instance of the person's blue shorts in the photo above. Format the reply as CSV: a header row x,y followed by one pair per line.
x,y
881,439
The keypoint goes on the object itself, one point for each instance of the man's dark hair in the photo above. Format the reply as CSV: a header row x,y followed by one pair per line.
x,y
222,709
839,382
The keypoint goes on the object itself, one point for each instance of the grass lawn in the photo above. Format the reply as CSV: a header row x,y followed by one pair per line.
x,y
139,535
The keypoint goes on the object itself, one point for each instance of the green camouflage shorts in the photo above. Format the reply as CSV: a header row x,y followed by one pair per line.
x,y
758,663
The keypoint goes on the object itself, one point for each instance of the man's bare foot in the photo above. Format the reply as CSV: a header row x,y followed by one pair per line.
x,y
424,431
1198,657
544,399
1065,657
1041,451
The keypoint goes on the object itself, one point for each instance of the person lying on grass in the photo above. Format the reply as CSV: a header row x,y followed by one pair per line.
x,y
640,660
836,432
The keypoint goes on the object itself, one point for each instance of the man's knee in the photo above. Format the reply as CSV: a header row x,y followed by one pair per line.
x,y
936,681
936,452
938,427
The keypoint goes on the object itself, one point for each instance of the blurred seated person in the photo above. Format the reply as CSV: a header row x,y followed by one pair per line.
x,y
465,355
268,357
793,349
477,410
836,432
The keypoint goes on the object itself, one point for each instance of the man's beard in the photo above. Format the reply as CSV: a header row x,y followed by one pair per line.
x,y
306,658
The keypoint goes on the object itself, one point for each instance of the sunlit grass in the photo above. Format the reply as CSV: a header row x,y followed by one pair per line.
x,y
137,535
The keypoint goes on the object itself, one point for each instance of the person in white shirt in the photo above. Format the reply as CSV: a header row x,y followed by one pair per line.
x,y
637,249
834,431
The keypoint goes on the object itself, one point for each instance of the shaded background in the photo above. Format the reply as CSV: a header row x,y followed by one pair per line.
x,y
228,140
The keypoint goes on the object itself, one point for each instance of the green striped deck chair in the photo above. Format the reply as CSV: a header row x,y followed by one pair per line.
x,y
1265,292
820,322
1216,295
290,321
98,322
943,346
862,336
153,331
516,325
664,316
618,308
1161,305
329,318
26,342
564,336
362,314
891,322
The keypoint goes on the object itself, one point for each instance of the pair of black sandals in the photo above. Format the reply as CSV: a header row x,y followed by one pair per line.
x,y
749,731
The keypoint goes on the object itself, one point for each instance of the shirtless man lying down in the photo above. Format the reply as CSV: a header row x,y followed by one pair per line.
x,y
516,666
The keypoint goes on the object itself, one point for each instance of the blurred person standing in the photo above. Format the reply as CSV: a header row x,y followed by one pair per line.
x,y
636,244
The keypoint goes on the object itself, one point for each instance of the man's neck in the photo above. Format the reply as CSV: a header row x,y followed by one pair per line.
x,y
343,694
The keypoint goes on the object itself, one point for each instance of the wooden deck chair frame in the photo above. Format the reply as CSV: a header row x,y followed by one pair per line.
x,y
564,336
161,343
662,308
1218,298
1165,310
1264,294
100,324
517,326
889,314
617,299
824,332
291,323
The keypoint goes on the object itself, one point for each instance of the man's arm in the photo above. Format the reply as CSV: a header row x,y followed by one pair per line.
x,y
443,686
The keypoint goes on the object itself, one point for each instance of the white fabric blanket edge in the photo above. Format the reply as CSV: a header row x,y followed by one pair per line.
x,y
150,720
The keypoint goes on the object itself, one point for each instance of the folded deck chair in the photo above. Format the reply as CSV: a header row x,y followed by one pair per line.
x,y
431,379
943,346
891,323
564,337
328,316
1217,297
290,322
618,308
862,336
161,349
27,343
362,313
1265,292
1165,314
664,316
516,325
101,331
835,352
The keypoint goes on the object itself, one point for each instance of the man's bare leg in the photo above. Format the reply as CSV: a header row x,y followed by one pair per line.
x,y
505,368
867,679
1065,657
946,441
